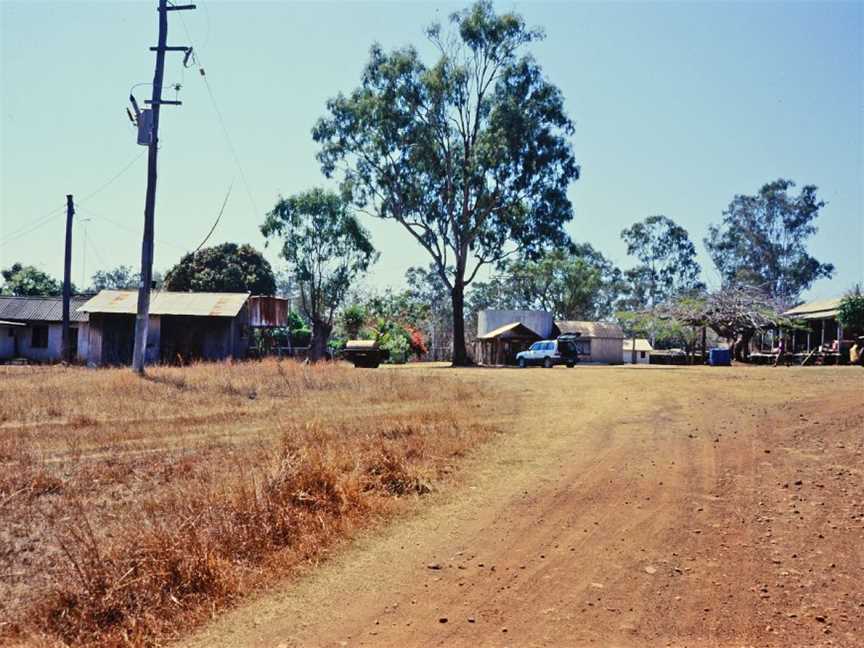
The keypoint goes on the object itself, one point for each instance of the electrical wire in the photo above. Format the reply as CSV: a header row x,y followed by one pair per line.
x,y
114,177
218,218
33,226
50,216
197,62
90,213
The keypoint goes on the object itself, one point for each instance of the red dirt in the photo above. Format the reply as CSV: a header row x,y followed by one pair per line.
x,y
628,507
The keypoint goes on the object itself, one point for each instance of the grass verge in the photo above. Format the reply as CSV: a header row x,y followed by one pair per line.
x,y
132,509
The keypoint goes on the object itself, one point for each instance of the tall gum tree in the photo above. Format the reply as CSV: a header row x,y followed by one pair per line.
x,y
471,155
326,249
762,241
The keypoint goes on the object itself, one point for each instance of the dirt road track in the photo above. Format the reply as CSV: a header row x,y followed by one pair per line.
x,y
626,507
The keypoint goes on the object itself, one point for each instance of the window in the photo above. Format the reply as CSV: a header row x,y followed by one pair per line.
x,y
641,354
39,339
535,347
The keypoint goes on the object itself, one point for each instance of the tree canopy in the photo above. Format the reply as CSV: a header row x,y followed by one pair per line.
x,y
122,277
667,261
326,249
850,313
762,240
471,155
223,268
579,283
30,281
733,312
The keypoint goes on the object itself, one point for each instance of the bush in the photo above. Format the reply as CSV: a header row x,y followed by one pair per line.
x,y
850,314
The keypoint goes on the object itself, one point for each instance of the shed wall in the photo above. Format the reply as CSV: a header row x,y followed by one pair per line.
x,y
606,350
540,322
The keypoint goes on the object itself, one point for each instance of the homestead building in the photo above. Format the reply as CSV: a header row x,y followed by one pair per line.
x,y
501,334
31,328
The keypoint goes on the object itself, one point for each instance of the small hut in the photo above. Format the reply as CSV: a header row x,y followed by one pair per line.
x,y
637,351
500,346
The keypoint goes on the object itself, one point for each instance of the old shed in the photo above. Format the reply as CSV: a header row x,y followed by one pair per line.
x,y
500,346
31,328
183,326
598,341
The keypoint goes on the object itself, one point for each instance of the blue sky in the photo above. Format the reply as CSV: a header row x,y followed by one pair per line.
x,y
677,106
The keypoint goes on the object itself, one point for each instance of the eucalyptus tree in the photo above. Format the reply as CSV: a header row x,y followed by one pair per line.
x,y
762,240
326,249
471,154
667,261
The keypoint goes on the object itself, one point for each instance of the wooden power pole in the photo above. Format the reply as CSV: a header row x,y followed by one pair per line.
x,y
66,343
142,319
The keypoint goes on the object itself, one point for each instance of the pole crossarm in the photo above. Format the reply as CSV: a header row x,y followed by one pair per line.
x,y
164,102
178,7
170,48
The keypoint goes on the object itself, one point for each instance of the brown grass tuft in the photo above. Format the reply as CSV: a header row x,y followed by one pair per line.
x,y
131,509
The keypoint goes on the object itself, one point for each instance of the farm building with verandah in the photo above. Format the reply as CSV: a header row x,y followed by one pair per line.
x,y
31,328
183,326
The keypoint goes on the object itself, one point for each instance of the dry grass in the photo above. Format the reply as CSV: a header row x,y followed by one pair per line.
x,y
131,509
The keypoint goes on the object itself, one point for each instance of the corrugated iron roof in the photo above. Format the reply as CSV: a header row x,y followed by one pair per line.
x,y
641,344
40,309
512,327
162,302
591,329
819,309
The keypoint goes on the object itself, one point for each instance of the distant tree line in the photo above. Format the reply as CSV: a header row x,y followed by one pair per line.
x,y
470,153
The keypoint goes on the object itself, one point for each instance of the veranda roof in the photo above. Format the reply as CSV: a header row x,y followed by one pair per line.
x,y
819,309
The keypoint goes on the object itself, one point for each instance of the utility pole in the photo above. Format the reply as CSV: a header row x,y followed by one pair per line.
x,y
142,319
66,344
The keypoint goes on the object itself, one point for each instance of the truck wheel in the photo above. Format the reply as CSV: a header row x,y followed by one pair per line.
x,y
547,363
521,363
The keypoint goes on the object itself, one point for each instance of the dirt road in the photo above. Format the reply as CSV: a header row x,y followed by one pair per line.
x,y
627,506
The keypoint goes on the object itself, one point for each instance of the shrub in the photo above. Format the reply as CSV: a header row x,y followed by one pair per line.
x,y
850,314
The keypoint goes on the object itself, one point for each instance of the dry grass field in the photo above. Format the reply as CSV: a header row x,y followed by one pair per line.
x,y
132,508
619,506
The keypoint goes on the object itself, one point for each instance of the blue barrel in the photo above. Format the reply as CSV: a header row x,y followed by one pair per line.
x,y
719,357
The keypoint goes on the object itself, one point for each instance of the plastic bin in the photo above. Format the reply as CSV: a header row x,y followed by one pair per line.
x,y
719,357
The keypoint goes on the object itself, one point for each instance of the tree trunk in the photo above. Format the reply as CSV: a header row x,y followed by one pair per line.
x,y
318,344
460,353
741,346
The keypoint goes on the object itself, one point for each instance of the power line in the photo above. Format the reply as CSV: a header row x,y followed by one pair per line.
x,y
33,226
197,61
47,218
218,218
114,177
95,216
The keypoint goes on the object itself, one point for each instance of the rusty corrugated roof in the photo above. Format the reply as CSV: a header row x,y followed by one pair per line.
x,y
40,309
163,302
